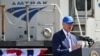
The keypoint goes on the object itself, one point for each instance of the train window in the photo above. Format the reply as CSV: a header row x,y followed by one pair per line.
x,y
80,4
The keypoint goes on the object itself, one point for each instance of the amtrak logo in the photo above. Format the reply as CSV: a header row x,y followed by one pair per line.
x,y
20,12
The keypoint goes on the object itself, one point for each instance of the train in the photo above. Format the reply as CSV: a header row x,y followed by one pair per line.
x,y
32,23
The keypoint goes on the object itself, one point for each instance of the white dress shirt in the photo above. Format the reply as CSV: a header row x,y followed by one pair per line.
x,y
69,40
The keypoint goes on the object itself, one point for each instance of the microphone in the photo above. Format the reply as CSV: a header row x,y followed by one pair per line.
x,y
84,38
88,39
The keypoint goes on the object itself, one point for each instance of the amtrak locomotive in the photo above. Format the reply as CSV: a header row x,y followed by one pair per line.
x,y
32,23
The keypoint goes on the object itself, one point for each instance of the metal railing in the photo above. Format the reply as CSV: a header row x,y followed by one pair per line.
x,y
76,13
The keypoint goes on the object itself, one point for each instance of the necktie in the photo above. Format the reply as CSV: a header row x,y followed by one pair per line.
x,y
69,40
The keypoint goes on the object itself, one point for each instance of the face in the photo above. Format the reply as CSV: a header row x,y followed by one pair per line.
x,y
67,27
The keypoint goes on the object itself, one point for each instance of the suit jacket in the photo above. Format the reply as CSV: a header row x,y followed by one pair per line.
x,y
60,44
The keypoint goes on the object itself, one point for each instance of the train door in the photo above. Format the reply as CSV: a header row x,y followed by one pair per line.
x,y
84,10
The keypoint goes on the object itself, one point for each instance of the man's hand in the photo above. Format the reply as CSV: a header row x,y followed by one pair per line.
x,y
76,46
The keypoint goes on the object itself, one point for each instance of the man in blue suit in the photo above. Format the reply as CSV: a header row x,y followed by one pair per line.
x,y
63,42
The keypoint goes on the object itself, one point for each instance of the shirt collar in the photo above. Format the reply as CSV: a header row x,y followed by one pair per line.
x,y
66,32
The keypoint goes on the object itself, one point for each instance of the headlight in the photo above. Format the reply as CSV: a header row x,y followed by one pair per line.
x,y
47,32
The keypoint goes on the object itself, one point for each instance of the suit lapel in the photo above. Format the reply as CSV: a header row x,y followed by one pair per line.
x,y
65,40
